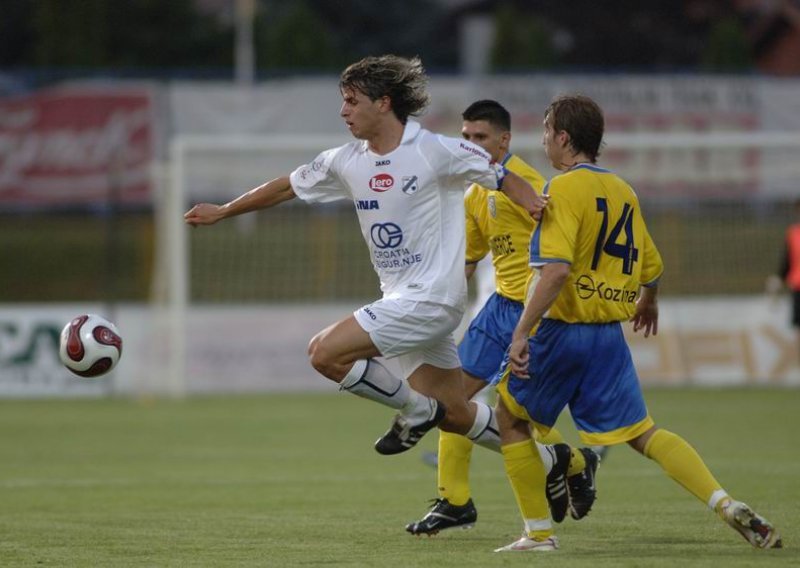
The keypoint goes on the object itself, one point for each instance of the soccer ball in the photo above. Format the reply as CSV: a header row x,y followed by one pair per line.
x,y
90,345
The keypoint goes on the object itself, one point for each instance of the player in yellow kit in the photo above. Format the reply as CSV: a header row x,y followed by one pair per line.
x,y
596,266
495,224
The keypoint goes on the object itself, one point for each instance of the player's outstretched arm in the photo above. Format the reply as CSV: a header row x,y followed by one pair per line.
x,y
521,193
646,315
264,196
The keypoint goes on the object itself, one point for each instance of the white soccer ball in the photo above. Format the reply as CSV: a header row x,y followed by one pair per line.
x,y
90,345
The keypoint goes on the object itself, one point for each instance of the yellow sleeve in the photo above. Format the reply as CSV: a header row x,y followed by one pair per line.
x,y
526,172
477,242
653,265
555,237
534,178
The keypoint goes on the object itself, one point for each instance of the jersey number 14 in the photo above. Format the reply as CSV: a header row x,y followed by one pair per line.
x,y
609,245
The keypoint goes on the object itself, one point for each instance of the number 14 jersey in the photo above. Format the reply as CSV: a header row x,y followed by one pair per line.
x,y
594,222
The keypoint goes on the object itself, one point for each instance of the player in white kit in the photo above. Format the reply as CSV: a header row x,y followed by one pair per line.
x,y
407,185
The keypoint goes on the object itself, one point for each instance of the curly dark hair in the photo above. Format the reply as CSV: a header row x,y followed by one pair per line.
x,y
581,118
402,80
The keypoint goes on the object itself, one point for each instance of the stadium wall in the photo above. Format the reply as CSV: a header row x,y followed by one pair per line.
x,y
631,103
708,342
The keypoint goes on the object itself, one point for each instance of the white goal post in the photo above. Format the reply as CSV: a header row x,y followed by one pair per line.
x,y
755,166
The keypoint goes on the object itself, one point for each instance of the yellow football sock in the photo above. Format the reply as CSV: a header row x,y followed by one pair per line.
x,y
577,463
552,437
525,471
682,463
455,452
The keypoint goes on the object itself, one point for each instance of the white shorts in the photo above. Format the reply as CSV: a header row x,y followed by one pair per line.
x,y
413,332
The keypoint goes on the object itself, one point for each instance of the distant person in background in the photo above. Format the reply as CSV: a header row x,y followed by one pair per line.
x,y
789,270
773,30
596,266
407,185
498,226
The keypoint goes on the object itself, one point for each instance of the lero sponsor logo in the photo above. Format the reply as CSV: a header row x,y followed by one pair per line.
x,y
381,182
586,288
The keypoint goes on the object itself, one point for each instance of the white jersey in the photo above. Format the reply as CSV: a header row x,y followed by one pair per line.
x,y
410,205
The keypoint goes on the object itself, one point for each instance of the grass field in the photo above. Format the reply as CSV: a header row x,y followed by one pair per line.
x,y
291,480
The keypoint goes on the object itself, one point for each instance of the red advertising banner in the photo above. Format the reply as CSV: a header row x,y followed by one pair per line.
x,y
76,145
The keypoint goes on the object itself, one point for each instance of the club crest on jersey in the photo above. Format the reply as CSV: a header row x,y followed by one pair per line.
x,y
381,182
410,184
492,207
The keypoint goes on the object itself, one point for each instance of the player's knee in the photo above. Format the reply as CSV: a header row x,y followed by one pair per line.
x,y
323,359
457,418
312,345
640,442
505,418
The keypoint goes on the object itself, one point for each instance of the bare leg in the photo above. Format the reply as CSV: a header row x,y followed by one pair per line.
x,y
334,349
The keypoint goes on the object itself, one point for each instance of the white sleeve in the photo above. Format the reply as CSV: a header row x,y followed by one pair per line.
x,y
468,163
318,181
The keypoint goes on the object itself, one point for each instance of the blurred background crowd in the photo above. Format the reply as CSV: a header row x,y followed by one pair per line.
x,y
47,40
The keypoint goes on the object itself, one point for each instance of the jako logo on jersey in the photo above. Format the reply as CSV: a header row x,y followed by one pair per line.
x,y
386,235
381,182
367,204
370,313
586,288
409,184
382,163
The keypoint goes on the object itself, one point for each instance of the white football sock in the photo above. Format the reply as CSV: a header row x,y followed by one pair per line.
x,y
371,380
548,455
484,432
716,497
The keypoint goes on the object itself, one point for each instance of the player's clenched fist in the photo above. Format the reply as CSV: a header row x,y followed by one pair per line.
x,y
203,214
519,357
539,205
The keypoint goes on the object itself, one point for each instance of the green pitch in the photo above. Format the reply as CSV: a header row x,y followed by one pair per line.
x,y
292,480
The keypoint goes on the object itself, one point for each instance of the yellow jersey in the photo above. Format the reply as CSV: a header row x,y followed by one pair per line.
x,y
497,224
593,221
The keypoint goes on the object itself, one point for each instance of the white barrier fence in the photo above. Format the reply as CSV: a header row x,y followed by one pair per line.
x,y
741,341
